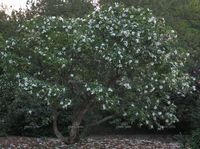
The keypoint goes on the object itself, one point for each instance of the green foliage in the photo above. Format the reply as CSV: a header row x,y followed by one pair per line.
x,y
8,24
195,139
6,98
1,41
10,110
125,60
184,17
182,140
70,8
195,115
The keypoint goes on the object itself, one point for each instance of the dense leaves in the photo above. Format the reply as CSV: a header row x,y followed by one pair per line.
x,y
183,16
69,8
125,59
195,139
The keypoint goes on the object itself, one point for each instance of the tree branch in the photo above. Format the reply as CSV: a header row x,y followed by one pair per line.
x,y
102,120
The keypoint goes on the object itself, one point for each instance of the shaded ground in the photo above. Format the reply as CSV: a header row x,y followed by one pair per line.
x,y
93,142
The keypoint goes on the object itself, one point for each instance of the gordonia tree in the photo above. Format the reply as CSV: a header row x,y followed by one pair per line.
x,y
123,60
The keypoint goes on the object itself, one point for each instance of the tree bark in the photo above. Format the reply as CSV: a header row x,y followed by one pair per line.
x,y
55,127
102,120
78,117
76,122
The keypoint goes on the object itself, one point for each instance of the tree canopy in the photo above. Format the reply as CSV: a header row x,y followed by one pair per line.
x,y
64,8
124,60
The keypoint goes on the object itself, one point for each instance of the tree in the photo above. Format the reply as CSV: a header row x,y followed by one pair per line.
x,y
123,60
183,16
64,8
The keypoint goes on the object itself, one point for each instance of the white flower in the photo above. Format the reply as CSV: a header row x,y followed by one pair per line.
x,y
152,89
110,89
100,90
159,113
110,8
194,88
125,114
136,61
63,65
10,61
126,43
138,50
69,103
130,61
116,5
17,76
137,40
126,33
152,19
157,43
127,86
69,27
104,107
120,65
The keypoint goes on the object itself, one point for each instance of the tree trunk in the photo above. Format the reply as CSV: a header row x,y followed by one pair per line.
x,y
78,117
55,127
74,128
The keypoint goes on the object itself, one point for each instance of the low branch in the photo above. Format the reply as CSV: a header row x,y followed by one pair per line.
x,y
102,120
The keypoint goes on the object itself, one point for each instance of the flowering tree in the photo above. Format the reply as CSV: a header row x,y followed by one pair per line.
x,y
121,59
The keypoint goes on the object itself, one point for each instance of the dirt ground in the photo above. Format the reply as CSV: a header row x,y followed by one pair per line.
x,y
93,142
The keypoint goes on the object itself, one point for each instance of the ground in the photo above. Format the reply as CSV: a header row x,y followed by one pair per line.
x,y
93,142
